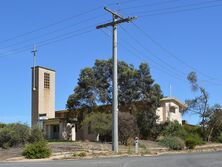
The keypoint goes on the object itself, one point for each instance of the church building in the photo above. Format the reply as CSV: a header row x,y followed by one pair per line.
x,y
54,123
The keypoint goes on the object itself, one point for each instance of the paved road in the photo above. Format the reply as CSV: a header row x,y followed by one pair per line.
x,y
188,160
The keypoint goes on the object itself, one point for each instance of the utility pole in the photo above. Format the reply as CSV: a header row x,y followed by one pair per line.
x,y
34,64
117,19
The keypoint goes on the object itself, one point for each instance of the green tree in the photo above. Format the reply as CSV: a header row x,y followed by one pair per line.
x,y
214,125
128,128
85,93
103,76
146,121
150,94
137,90
199,105
100,123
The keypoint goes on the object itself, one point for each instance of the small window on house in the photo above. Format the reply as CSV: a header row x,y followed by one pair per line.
x,y
42,115
172,109
46,80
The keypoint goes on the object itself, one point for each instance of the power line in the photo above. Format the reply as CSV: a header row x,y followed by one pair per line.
x,y
53,38
149,4
42,44
159,66
173,70
59,22
136,52
179,11
56,38
124,2
179,6
52,32
211,82
50,25
154,55
173,55
68,37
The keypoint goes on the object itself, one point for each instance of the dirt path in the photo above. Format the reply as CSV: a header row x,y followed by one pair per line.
x,y
10,153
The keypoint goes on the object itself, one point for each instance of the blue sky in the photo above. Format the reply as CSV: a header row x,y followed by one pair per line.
x,y
68,41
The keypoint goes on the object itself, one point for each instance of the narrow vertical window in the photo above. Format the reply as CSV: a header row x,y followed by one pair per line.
x,y
46,80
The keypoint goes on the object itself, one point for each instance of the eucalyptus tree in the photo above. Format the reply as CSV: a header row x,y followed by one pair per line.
x,y
137,90
200,104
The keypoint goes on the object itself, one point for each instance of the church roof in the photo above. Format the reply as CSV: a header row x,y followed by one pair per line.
x,y
44,68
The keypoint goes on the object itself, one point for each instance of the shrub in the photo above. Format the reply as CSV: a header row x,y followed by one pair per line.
x,y
82,154
130,141
2,125
159,138
142,145
174,129
127,127
190,143
5,145
219,138
36,135
5,138
75,154
192,129
143,148
99,123
192,140
21,133
174,143
37,150
14,135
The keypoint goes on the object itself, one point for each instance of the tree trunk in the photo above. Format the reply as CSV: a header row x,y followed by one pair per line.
x,y
209,136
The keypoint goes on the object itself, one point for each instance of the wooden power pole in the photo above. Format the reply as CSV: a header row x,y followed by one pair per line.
x,y
117,19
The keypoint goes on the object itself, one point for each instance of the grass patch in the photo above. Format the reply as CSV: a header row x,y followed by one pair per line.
x,y
174,143
79,154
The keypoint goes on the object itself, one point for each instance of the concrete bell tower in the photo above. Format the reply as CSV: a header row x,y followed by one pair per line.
x,y
43,94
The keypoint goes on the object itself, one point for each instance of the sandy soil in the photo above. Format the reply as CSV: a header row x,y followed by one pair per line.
x,y
9,153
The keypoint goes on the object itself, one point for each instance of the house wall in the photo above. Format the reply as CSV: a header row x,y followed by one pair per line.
x,y
159,113
165,114
175,116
